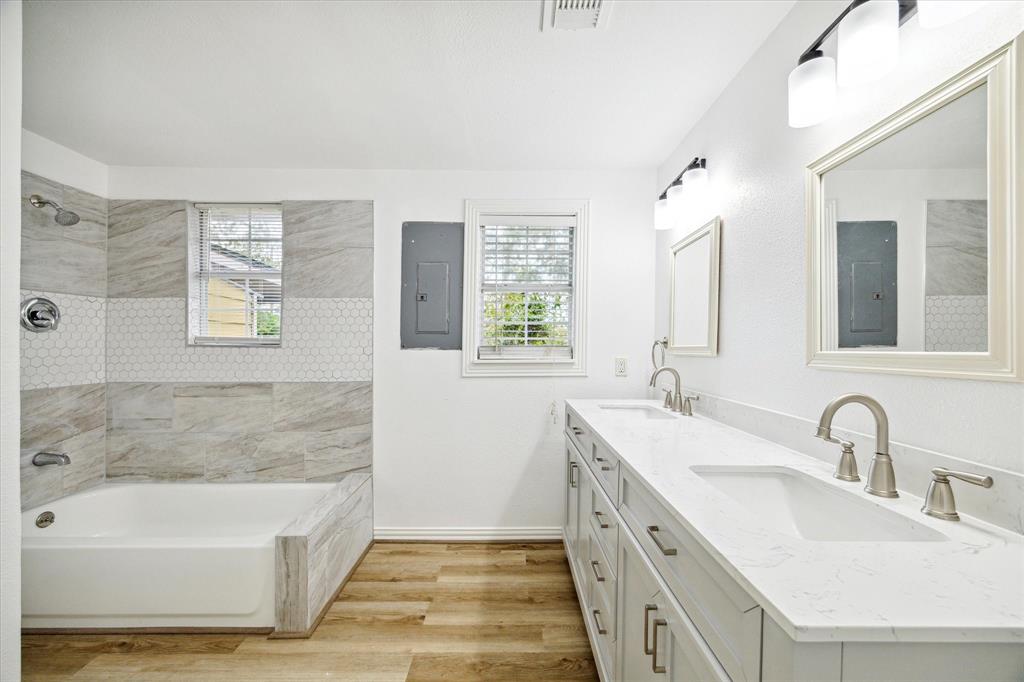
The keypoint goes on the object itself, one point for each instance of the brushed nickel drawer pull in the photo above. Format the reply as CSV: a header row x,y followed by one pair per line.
x,y
573,468
667,551
603,467
593,565
658,622
597,622
577,430
598,516
647,612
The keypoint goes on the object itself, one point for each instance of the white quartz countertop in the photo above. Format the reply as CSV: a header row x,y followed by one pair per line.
x,y
966,588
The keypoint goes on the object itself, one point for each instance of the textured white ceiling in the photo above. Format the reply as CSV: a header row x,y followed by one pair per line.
x,y
411,84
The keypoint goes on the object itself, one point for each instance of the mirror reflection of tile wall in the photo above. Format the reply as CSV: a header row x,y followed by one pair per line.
x,y
956,276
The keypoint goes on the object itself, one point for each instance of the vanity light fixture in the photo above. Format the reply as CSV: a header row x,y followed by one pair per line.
x,y
868,48
673,204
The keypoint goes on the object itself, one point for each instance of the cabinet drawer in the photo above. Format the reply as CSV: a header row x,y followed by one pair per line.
x,y
603,519
727,617
601,621
605,465
577,430
602,578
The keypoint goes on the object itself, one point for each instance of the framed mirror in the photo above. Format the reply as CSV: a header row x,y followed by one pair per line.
x,y
913,235
693,293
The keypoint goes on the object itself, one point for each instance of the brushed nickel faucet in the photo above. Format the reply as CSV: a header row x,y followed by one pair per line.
x,y
881,477
673,400
939,501
41,459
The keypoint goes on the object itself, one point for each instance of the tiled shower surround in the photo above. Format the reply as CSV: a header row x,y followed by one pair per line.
x,y
118,389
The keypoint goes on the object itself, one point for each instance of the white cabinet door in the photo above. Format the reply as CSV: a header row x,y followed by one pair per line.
x,y
572,501
657,639
638,596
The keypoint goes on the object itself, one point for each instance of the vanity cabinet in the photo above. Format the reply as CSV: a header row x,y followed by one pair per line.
x,y
658,606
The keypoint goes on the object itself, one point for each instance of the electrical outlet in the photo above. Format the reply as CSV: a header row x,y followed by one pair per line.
x,y
620,367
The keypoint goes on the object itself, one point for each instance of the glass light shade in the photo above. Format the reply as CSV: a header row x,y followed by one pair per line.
x,y
662,215
696,180
869,42
812,92
935,13
677,195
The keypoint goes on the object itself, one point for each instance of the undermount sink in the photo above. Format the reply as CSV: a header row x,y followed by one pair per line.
x,y
800,505
641,411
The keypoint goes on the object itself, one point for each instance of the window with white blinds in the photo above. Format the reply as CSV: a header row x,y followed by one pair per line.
x,y
236,259
527,275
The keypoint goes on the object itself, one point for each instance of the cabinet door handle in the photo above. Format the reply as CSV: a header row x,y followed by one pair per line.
x,y
593,565
597,622
667,551
598,515
577,430
647,612
603,467
573,469
658,622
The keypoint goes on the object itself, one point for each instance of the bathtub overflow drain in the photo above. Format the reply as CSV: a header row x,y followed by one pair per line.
x,y
44,519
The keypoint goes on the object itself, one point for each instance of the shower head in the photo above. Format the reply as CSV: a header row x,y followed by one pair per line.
x,y
63,217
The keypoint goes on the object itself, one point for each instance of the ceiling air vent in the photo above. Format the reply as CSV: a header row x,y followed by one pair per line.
x,y
571,15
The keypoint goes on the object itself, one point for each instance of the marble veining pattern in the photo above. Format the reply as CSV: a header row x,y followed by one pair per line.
x,y
966,588
317,550
70,420
956,253
239,432
72,354
328,249
146,342
72,259
146,249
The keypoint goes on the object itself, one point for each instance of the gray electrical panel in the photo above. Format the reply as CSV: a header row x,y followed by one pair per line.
x,y
432,285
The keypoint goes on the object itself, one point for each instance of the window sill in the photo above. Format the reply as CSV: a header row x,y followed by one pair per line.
x,y
524,368
234,342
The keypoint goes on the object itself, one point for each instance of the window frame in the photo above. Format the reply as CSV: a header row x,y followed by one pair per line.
x,y
475,217
194,340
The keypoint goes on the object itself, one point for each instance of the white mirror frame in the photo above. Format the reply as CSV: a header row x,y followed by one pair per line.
x,y
709,349
1001,71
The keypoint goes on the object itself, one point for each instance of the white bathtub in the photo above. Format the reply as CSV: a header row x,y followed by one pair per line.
x,y
173,555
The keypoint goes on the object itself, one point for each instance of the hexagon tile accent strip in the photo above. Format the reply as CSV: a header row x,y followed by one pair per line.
x,y
322,339
956,323
72,354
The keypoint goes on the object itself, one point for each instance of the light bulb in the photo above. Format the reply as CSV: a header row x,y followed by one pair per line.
x,y
662,215
812,92
935,13
869,42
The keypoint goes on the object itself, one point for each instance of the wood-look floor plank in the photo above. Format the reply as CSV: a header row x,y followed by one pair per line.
x,y
457,611
519,667
357,667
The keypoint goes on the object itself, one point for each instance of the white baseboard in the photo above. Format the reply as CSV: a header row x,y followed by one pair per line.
x,y
456,534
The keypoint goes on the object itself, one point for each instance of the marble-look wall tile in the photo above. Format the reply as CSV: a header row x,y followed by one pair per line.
x,y
956,254
317,551
328,249
146,249
155,456
330,455
69,260
140,406
69,420
75,352
223,408
322,406
260,457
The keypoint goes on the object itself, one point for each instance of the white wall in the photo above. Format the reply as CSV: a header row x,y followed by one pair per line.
x,y
451,452
10,275
902,195
756,165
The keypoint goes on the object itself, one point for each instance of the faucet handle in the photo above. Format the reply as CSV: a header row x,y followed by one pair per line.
x,y
668,399
687,409
939,501
846,469
940,473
